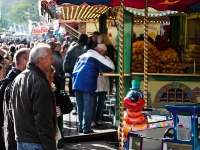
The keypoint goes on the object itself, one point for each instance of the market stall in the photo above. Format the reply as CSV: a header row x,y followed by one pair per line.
x,y
177,88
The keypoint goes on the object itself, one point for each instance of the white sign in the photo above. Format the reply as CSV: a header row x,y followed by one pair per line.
x,y
153,29
40,30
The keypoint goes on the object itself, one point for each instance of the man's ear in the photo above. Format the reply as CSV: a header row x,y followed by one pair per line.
x,y
40,60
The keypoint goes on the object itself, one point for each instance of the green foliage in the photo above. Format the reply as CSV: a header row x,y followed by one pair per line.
x,y
26,10
3,23
5,8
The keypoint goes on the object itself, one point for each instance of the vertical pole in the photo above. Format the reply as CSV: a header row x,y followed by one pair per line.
x,y
103,24
128,33
121,71
146,54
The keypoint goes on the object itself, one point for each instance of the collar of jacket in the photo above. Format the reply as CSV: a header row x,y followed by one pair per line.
x,y
32,66
13,73
17,71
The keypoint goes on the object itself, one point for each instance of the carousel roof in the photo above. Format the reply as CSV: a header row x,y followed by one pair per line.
x,y
175,5
82,12
86,12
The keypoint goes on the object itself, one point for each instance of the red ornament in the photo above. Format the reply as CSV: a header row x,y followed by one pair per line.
x,y
44,2
52,2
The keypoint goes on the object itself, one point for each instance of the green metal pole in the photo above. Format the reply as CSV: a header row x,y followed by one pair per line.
x,y
174,26
128,31
103,24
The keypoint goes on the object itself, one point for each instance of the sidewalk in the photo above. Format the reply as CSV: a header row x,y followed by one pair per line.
x,y
100,140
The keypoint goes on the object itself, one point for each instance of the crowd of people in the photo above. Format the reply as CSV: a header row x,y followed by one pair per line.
x,y
33,75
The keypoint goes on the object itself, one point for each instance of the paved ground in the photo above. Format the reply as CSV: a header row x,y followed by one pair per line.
x,y
90,145
79,143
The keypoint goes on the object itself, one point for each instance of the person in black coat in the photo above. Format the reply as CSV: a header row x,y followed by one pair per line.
x,y
21,58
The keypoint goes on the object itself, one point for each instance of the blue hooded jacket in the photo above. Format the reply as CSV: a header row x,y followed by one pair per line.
x,y
86,71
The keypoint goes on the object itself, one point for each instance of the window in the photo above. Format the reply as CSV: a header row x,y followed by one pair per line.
x,y
175,95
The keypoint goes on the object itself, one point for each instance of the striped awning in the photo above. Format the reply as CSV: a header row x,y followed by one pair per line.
x,y
151,12
82,12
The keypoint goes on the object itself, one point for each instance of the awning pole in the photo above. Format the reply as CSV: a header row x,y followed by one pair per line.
x,y
146,54
121,73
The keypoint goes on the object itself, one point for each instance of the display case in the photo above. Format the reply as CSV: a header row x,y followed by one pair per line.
x,y
191,54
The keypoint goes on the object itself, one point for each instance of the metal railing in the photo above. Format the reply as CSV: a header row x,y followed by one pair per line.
x,y
72,31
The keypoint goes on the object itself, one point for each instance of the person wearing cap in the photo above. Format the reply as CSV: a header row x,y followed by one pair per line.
x,y
84,78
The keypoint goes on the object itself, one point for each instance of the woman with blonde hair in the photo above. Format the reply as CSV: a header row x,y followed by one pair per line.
x,y
104,39
56,89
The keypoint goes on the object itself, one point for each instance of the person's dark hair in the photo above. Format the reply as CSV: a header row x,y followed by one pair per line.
x,y
83,39
23,52
1,67
158,37
96,33
151,40
140,38
166,32
72,39
12,48
65,46
10,43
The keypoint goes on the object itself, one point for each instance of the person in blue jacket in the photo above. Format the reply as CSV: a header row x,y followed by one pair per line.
x,y
84,78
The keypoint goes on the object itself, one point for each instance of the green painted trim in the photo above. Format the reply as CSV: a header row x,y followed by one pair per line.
x,y
103,24
167,78
128,30
175,26
117,99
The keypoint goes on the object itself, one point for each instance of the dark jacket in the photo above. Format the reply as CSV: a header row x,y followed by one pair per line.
x,y
58,63
9,135
71,56
13,73
163,45
110,52
33,108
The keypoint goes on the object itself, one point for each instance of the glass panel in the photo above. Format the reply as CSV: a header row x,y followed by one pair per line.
x,y
186,96
172,90
179,90
164,95
184,126
198,128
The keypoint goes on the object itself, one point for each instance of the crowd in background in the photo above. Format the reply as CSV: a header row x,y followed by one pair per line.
x,y
81,60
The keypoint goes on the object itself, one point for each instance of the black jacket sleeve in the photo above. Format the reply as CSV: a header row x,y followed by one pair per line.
x,y
44,108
